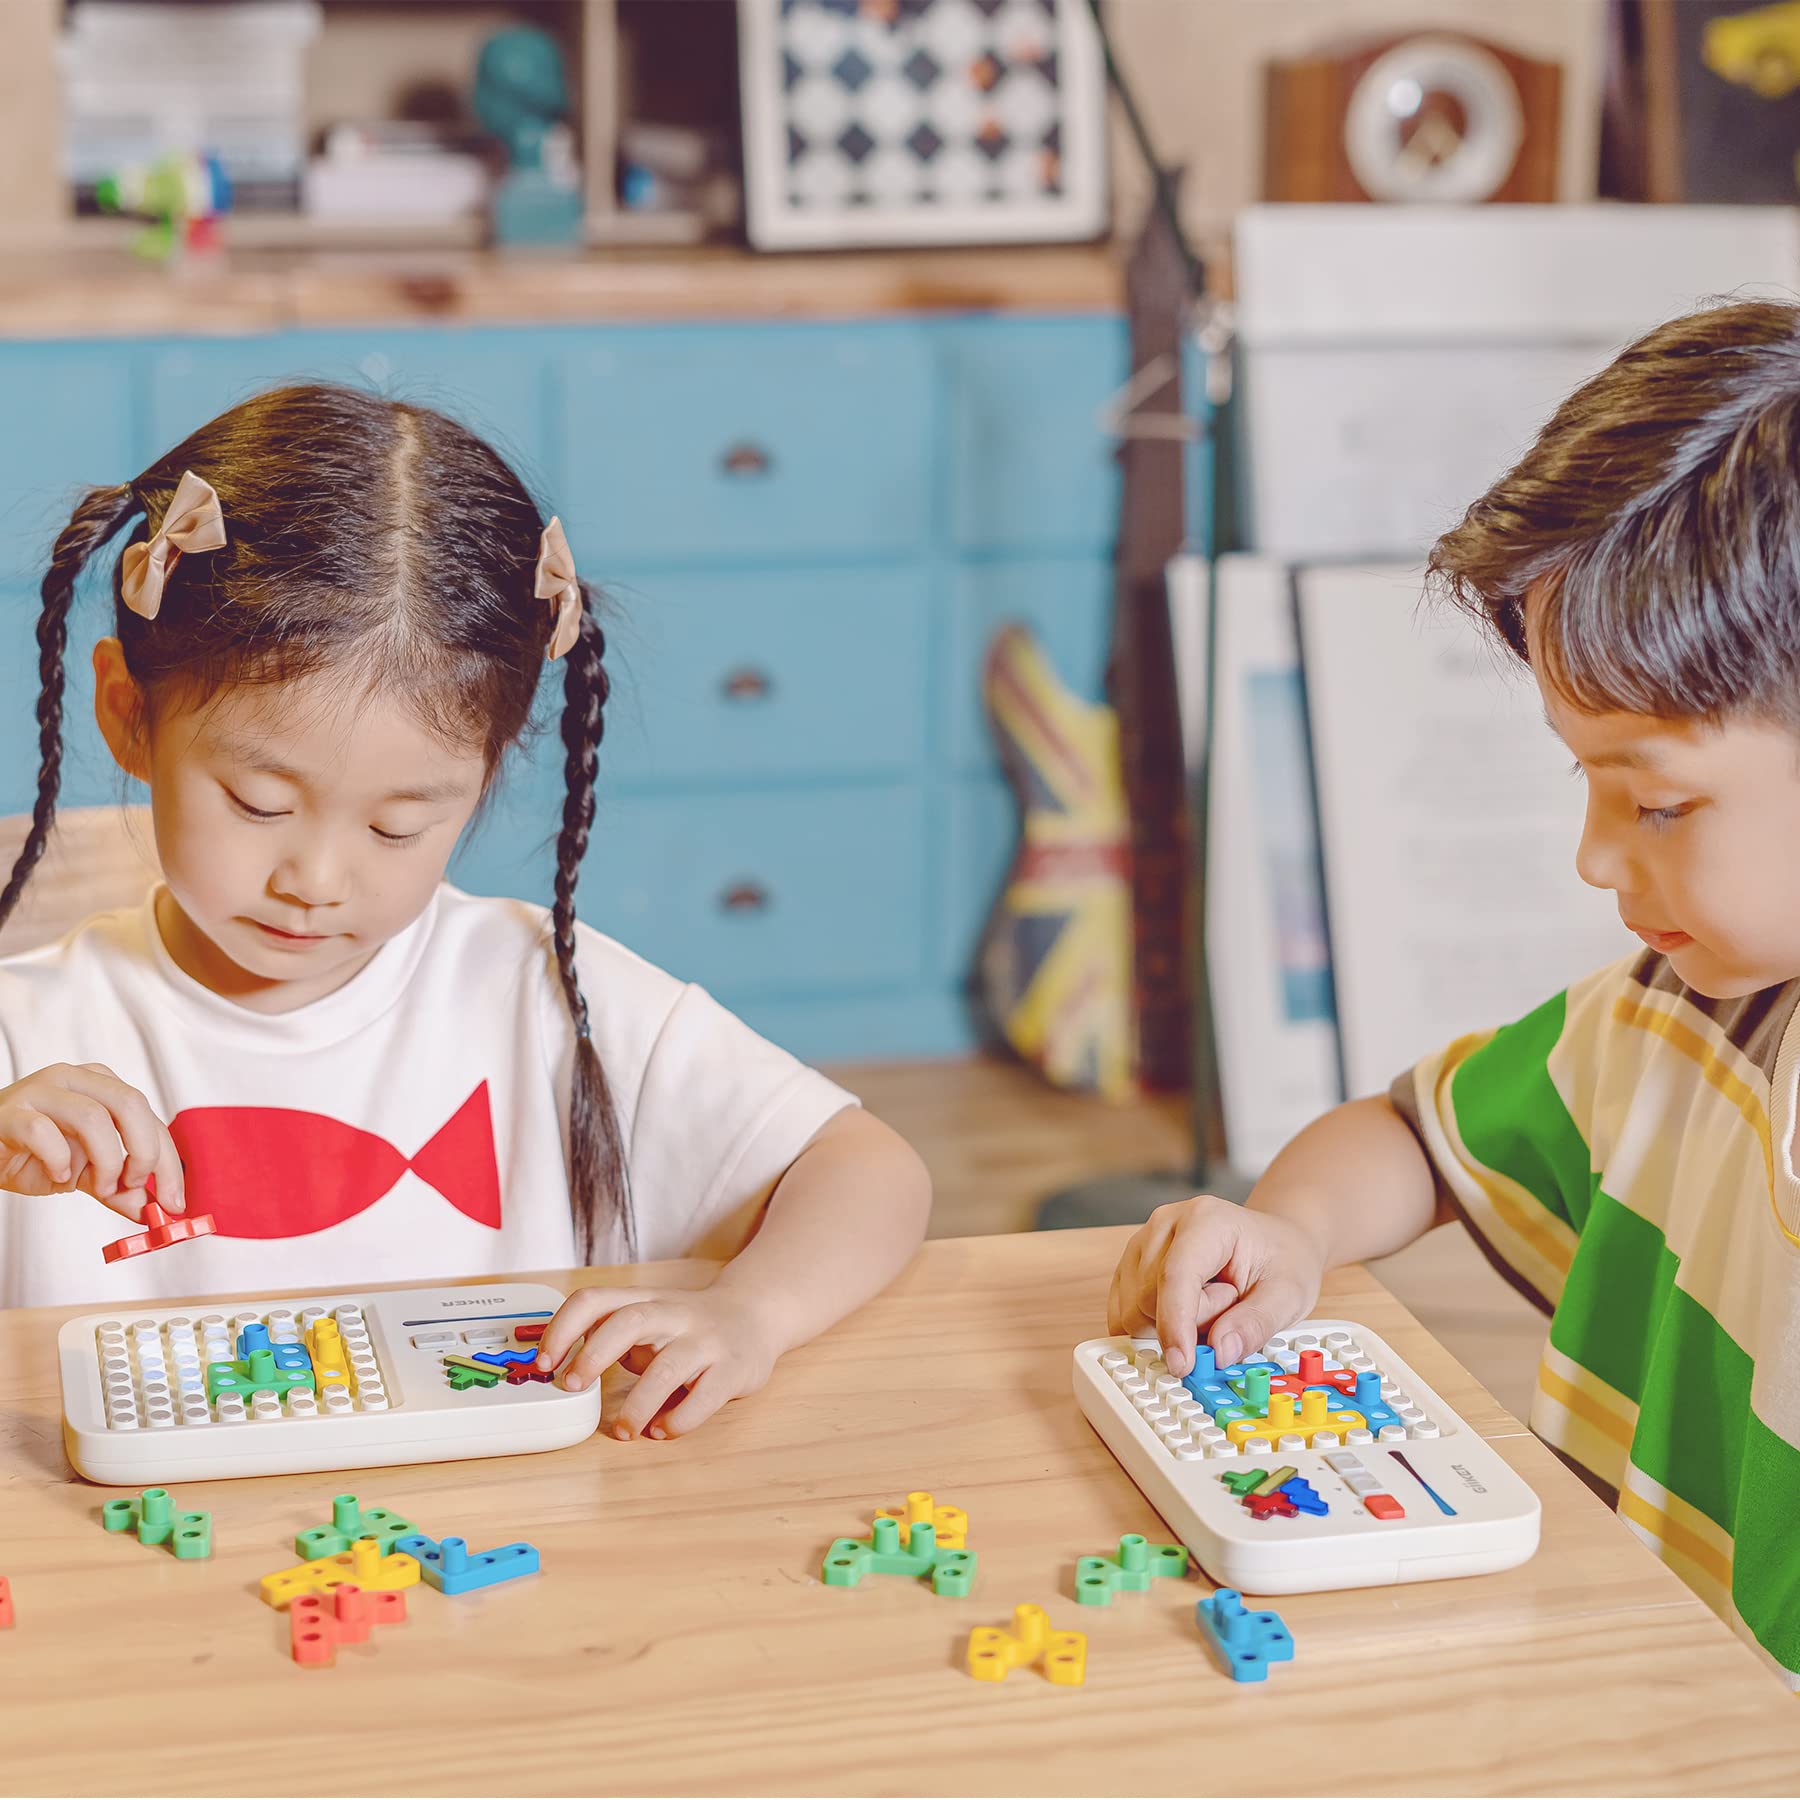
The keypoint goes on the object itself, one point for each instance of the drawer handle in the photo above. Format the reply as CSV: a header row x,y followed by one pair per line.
x,y
745,897
746,459
746,684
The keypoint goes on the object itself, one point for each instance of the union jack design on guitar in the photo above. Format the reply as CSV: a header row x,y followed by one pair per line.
x,y
1056,959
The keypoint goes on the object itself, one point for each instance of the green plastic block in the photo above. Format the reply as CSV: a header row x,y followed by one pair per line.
x,y
461,1378
1243,1481
348,1523
1098,1578
256,1374
153,1516
881,1553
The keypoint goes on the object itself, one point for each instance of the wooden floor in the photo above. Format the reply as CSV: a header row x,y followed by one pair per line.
x,y
998,1141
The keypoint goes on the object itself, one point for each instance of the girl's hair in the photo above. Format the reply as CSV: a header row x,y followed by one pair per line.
x,y
1657,517
386,541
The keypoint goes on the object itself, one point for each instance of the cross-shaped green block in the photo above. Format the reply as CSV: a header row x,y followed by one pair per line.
x,y
256,1374
348,1523
881,1553
1098,1578
188,1534
461,1376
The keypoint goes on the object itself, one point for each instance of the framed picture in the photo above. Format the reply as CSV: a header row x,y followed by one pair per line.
x,y
921,122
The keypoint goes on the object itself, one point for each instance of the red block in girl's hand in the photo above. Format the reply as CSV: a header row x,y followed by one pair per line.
x,y
160,1232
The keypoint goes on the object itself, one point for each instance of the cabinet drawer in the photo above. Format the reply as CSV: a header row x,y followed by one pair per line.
x,y
703,443
738,677
765,893
1031,468
747,893
67,423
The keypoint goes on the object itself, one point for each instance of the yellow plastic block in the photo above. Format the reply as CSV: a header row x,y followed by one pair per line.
x,y
1274,1479
325,1345
994,1653
950,1522
363,1564
1285,1419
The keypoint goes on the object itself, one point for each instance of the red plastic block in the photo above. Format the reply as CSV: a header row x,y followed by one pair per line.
x,y
160,1232
317,1624
520,1373
1263,1505
6,1610
1383,1506
531,1334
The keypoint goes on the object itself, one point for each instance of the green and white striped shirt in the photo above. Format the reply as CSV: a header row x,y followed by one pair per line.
x,y
1625,1155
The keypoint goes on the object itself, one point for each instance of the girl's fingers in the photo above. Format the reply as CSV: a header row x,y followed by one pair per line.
x,y
580,1311
149,1150
672,1368
648,1322
704,1398
1194,1258
28,1130
88,1123
1265,1309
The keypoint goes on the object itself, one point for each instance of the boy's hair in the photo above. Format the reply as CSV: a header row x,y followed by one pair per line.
x,y
384,539
1658,517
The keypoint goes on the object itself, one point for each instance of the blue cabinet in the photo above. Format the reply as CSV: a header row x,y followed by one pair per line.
x,y
807,534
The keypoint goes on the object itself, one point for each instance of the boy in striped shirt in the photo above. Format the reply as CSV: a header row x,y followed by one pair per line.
x,y
1625,1154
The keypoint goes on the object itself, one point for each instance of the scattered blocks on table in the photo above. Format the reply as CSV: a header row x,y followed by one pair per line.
x,y
1243,1643
363,1565
348,1523
317,1625
160,1231
1305,1496
153,1516
994,1653
1269,1506
950,1523
452,1568
6,1605
850,1559
1098,1578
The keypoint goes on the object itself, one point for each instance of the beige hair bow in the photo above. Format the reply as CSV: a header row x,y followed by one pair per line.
x,y
193,522
557,583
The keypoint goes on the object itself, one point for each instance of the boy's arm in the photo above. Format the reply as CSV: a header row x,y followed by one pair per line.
x,y
1357,1181
841,1224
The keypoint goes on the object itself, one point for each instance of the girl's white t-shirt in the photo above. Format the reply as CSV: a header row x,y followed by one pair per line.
x,y
411,1126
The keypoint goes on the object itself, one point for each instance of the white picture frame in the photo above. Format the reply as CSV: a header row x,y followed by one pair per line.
x,y
779,215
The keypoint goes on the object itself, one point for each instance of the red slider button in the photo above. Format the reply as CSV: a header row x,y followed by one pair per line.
x,y
1383,1506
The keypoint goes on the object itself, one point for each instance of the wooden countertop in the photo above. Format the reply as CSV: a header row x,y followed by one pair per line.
x,y
678,1639
107,294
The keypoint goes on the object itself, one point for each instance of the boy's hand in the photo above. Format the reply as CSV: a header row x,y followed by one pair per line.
x,y
715,1345
76,1127
1187,1264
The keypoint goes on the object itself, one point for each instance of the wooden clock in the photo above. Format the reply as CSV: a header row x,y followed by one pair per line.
x,y
1433,117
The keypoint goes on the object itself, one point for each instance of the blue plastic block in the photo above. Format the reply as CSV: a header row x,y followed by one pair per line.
x,y
1217,1388
452,1568
1243,1643
504,1359
292,1357
1366,1400
1305,1496
252,1337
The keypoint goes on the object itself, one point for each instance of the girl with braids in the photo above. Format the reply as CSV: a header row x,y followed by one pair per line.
x,y
330,620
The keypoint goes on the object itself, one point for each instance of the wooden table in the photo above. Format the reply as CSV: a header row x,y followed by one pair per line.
x,y
678,1639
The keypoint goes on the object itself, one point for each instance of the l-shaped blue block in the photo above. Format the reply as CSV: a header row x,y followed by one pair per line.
x,y
452,1569
1243,1643
504,1359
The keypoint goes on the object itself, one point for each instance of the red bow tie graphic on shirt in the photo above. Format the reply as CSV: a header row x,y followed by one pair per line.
x,y
269,1171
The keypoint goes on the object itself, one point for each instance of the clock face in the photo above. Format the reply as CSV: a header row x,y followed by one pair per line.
x,y
1433,119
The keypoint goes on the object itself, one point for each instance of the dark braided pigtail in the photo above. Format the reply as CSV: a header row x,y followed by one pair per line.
x,y
95,520
597,1184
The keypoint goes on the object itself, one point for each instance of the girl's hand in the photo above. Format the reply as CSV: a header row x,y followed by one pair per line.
x,y
716,1345
1187,1264
79,1128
